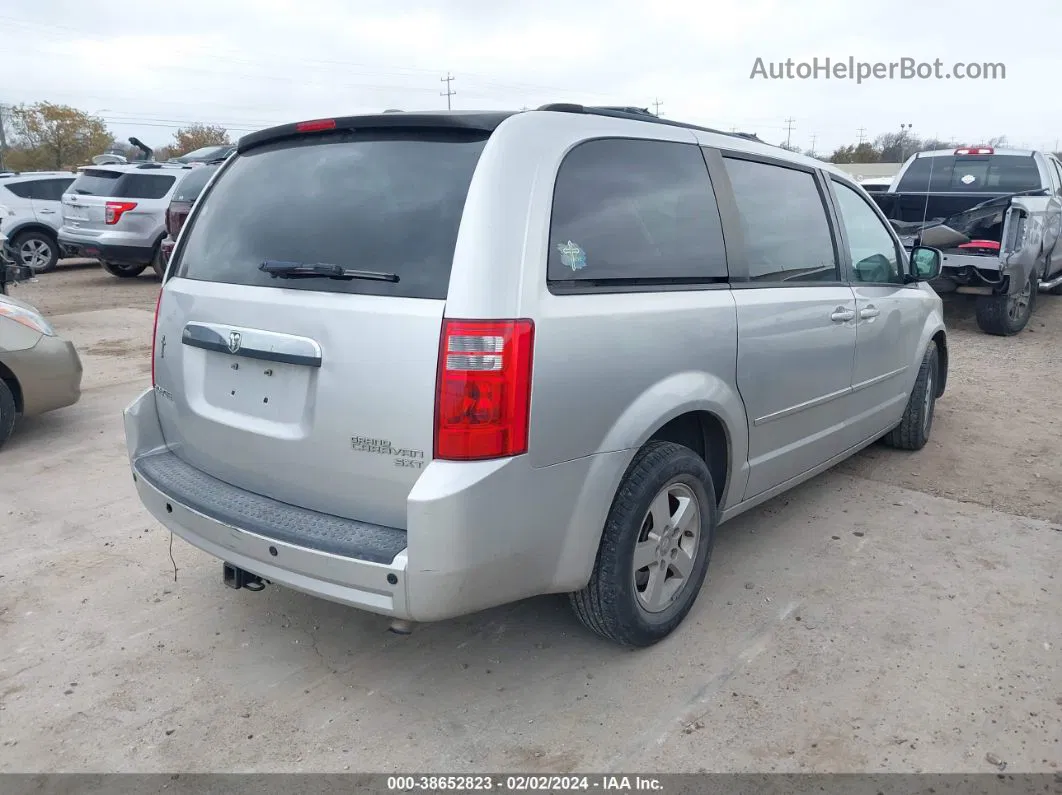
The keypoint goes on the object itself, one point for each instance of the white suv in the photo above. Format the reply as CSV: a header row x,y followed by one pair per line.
x,y
33,215
117,214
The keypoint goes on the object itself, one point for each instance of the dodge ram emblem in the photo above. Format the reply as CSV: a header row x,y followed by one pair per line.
x,y
234,341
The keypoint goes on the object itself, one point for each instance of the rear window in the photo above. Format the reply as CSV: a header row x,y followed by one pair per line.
x,y
385,202
118,185
971,174
95,182
192,185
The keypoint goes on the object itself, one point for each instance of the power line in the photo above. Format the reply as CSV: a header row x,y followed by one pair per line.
x,y
347,66
789,130
448,92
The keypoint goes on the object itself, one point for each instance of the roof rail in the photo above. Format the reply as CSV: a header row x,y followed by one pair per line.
x,y
637,114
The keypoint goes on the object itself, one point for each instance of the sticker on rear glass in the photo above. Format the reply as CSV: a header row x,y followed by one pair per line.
x,y
967,179
572,256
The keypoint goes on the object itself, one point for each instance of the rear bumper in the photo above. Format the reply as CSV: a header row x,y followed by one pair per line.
x,y
96,248
49,375
478,535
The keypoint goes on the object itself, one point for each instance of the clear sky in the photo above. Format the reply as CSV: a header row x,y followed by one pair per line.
x,y
150,67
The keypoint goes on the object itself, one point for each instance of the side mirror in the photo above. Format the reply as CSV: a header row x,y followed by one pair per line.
x,y
925,263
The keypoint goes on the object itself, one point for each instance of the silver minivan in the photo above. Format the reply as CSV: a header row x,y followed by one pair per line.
x,y
428,363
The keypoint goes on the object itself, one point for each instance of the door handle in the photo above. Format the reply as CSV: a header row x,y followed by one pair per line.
x,y
842,315
47,212
869,311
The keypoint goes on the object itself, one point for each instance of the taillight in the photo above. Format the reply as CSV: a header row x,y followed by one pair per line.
x,y
315,125
154,334
975,150
115,210
170,222
483,400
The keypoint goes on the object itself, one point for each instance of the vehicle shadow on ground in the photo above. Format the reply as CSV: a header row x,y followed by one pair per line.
x,y
89,264
42,429
960,310
508,640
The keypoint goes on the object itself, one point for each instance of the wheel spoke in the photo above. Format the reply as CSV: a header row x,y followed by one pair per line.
x,y
654,589
684,516
682,564
660,510
644,554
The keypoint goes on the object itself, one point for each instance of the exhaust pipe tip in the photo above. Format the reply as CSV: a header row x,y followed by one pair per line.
x,y
401,627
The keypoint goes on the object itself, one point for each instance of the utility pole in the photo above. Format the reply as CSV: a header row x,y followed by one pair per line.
x,y
448,92
813,137
656,107
789,131
3,138
862,135
905,130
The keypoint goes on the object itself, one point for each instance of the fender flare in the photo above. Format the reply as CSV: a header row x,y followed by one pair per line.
x,y
31,226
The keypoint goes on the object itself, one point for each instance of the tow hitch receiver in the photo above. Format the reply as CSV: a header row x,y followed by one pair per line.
x,y
238,578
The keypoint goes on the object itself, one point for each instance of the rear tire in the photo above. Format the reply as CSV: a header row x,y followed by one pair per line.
x,y
913,431
8,412
1006,315
665,512
37,250
157,263
122,270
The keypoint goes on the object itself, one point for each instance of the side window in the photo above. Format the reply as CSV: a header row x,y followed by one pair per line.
x,y
787,234
52,189
631,209
24,190
873,250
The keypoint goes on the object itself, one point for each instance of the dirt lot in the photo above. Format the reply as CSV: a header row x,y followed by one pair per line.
x,y
899,613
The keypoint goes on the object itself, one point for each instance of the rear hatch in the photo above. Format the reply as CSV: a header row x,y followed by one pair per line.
x,y
103,199
316,390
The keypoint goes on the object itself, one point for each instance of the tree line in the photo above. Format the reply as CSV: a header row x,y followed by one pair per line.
x,y
45,136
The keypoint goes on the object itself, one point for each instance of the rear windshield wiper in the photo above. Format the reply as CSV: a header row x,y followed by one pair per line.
x,y
279,269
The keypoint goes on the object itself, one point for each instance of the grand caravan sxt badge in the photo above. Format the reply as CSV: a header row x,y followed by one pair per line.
x,y
403,456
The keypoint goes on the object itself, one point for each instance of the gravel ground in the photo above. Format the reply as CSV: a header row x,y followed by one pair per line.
x,y
898,613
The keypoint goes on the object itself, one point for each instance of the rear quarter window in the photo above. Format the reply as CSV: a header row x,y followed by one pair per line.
x,y
383,201
634,210
24,190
